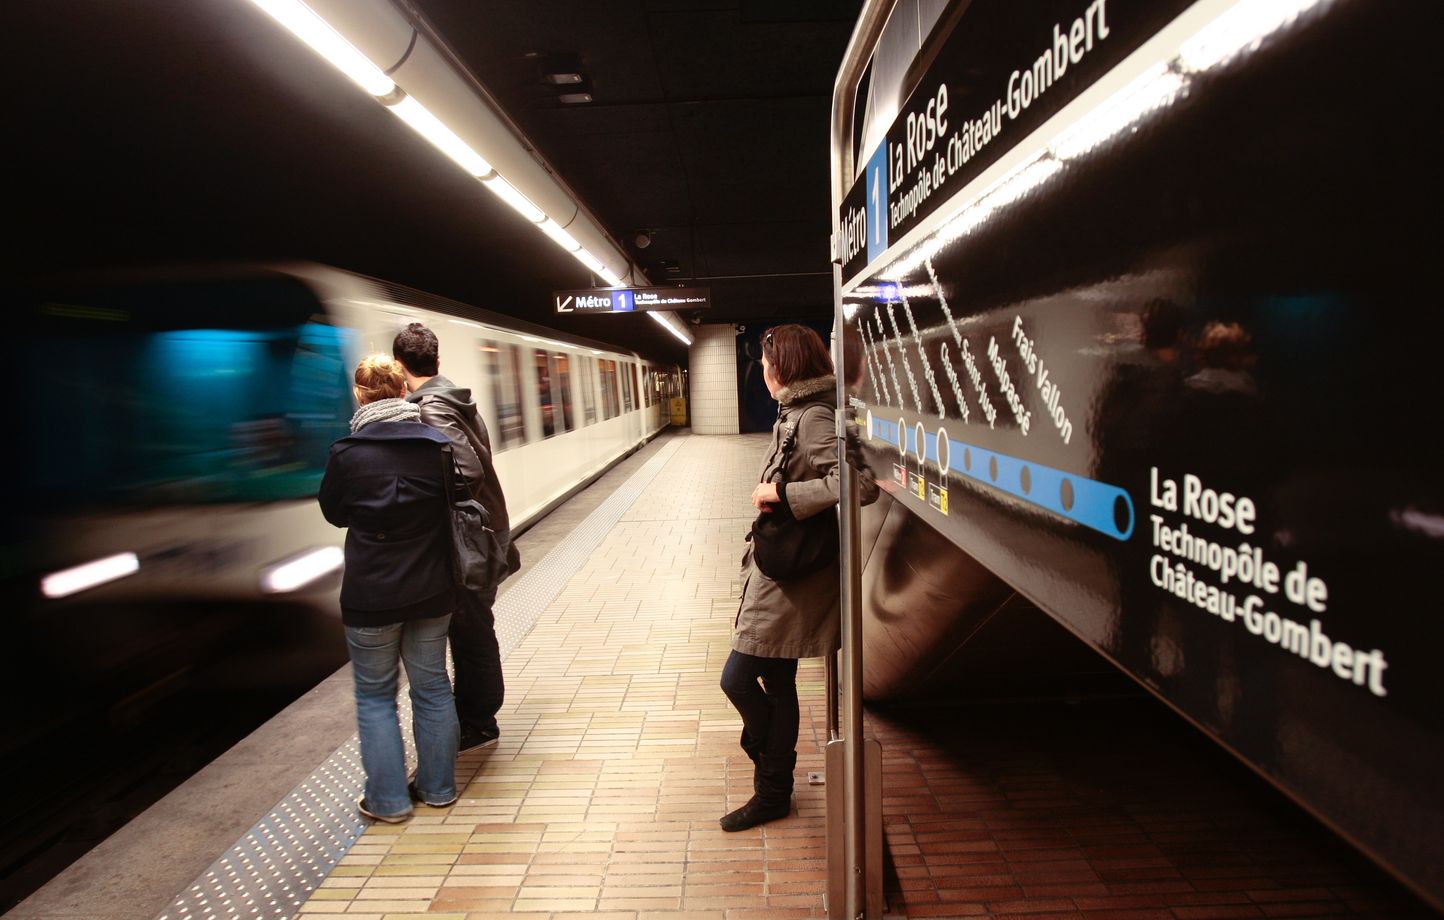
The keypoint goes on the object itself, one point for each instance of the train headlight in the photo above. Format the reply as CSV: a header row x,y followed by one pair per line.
x,y
298,571
90,575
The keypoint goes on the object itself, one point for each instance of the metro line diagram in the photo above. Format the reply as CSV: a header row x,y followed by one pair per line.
x,y
1004,466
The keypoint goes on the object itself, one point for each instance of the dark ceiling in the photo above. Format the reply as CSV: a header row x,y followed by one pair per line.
x,y
196,130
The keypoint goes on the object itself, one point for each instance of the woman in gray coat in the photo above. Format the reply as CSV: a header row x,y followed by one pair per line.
x,y
780,622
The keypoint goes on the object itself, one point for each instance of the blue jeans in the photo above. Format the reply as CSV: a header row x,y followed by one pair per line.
x,y
375,651
476,658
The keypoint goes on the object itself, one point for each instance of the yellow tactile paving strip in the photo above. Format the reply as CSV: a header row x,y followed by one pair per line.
x,y
618,750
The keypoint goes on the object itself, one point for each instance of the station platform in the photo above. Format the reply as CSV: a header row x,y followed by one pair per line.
x,y
618,753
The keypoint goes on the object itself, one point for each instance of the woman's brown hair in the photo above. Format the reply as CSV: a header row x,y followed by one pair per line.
x,y
795,353
379,377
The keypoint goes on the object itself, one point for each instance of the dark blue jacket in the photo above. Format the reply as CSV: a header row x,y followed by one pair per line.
x,y
384,483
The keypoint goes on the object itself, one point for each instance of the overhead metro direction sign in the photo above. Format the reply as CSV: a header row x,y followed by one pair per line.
x,y
632,300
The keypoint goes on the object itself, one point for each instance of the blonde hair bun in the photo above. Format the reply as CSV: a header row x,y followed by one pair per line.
x,y
379,377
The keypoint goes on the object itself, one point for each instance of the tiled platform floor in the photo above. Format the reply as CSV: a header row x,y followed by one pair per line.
x,y
1109,810
618,754
618,751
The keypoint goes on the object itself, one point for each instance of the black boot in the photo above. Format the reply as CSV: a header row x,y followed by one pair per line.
x,y
758,810
772,788
772,780
753,750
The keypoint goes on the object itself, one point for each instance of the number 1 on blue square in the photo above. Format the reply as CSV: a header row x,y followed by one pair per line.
x,y
877,202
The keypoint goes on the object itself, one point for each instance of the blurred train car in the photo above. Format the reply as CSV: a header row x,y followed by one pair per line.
x,y
188,420
1143,339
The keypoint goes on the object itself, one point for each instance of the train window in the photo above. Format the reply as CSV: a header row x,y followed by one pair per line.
x,y
626,388
545,397
636,388
604,378
503,366
646,385
589,392
609,388
562,374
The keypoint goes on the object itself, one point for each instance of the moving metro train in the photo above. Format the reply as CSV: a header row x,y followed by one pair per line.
x,y
187,421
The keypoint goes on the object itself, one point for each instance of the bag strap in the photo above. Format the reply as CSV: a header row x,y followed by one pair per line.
x,y
790,441
448,463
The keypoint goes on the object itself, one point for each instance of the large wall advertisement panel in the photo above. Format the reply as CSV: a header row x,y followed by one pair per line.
x,y
1145,319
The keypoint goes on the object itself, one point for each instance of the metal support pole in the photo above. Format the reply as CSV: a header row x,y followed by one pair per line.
x,y
830,665
852,867
853,779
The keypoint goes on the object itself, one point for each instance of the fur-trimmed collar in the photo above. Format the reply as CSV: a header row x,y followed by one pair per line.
x,y
805,389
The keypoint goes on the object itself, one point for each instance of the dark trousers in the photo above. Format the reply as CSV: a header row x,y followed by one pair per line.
x,y
764,692
476,659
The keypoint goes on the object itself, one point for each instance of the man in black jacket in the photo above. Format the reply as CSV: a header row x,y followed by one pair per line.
x,y
474,651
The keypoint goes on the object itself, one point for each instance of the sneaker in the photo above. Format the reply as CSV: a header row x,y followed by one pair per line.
x,y
416,797
473,740
384,819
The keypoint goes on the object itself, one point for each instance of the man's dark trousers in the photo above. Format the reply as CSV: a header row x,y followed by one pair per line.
x,y
477,660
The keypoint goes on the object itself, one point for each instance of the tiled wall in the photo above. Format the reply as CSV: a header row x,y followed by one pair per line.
x,y
712,378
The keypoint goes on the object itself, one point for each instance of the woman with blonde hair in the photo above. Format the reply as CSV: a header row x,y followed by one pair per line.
x,y
385,483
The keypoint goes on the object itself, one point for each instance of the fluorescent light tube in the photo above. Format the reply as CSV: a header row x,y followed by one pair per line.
x,y
611,277
299,571
301,21
663,320
508,193
442,137
560,236
590,261
82,577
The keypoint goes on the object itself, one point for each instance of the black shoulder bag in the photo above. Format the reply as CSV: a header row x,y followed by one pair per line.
x,y
478,562
785,548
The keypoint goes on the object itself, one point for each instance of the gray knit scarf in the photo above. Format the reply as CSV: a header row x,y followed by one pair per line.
x,y
385,410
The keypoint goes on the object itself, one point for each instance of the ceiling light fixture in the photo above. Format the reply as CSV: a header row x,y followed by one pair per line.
x,y
302,22
508,193
662,319
441,137
374,26
560,236
590,261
